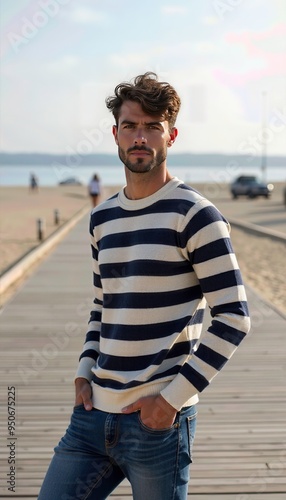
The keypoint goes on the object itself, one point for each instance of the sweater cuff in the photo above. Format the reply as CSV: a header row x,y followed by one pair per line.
x,y
84,368
180,393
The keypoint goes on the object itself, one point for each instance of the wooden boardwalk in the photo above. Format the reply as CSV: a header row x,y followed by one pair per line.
x,y
239,452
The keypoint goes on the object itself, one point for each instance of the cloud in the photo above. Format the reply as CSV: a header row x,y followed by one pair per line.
x,y
171,10
210,20
263,50
83,15
128,60
61,65
205,47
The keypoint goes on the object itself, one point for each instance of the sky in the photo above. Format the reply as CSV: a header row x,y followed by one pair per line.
x,y
60,59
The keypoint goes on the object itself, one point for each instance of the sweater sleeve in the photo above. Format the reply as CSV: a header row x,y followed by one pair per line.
x,y
90,351
205,241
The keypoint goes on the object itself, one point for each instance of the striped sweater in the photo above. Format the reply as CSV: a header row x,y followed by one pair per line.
x,y
157,261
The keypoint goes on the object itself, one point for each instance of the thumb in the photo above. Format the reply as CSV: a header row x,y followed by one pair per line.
x,y
132,408
87,404
86,399
83,393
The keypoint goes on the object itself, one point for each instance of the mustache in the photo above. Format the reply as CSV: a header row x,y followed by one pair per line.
x,y
139,148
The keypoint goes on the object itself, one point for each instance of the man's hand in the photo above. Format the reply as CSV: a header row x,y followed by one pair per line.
x,y
83,393
155,412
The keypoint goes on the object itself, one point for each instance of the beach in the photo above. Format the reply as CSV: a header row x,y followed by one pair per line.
x,y
262,263
21,208
261,259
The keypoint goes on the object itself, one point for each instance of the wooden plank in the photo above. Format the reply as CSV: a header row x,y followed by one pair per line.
x,y
249,496
239,451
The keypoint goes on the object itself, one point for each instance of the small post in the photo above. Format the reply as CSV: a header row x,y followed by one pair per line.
x,y
40,229
56,217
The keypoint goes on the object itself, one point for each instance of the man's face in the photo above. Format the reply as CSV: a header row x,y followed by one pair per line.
x,y
142,139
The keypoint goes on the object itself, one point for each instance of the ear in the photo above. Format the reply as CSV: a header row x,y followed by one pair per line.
x,y
173,136
115,133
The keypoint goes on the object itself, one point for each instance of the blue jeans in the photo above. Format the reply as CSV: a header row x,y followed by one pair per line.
x,y
100,449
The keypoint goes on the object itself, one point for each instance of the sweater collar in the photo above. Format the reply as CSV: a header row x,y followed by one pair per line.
x,y
127,204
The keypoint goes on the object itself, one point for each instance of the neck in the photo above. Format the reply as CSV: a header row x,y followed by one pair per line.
x,y
141,185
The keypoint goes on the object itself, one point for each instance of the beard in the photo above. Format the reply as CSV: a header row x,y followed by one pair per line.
x,y
142,165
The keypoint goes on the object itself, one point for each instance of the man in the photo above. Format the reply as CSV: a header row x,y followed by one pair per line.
x,y
160,252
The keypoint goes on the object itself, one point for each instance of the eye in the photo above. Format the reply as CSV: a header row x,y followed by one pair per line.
x,y
128,126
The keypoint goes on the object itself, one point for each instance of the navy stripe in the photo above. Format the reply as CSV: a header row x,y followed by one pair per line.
x,y
89,353
153,236
147,332
203,218
186,187
112,197
128,363
180,348
97,302
197,317
91,226
144,267
220,281
211,251
143,332
194,377
92,336
240,308
114,384
151,300
211,357
95,316
94,252
104,215
96,280
226,333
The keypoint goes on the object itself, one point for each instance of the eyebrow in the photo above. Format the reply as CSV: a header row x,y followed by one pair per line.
x,y
130,122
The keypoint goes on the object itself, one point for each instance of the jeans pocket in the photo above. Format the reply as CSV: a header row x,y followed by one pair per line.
x,y
191,424
78,407
155,431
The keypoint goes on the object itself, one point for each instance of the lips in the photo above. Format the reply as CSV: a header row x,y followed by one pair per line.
x,y
140,153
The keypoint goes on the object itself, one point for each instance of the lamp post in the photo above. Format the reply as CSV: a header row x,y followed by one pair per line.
x,y
263,136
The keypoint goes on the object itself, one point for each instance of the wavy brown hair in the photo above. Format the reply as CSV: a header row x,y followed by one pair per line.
x,y
156,98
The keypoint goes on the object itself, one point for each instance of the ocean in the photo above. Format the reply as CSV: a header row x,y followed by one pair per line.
x,y
11,175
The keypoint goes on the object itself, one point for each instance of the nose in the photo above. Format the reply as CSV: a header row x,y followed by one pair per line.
x,y
139,138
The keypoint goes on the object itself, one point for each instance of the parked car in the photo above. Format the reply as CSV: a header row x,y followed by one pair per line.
x,y
71,181
251,186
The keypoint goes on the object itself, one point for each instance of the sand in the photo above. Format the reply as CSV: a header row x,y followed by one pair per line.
x,y
20,209
262,261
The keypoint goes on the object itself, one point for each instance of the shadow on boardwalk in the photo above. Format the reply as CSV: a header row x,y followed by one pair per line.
x,y
239,451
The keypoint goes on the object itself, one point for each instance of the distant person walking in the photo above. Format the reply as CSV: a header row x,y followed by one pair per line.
x,y
34,185
94,189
